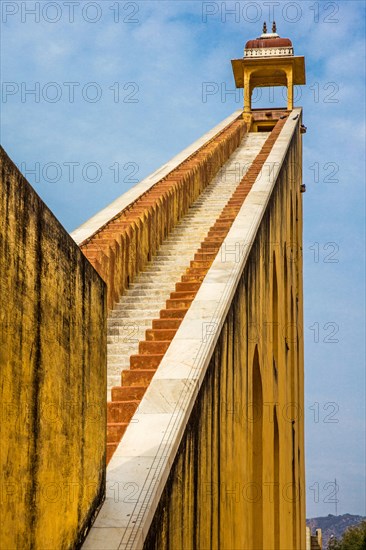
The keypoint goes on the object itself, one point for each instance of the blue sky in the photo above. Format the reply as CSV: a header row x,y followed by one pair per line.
x,y
120,87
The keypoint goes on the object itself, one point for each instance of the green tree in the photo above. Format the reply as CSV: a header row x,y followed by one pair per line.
x,y
354,538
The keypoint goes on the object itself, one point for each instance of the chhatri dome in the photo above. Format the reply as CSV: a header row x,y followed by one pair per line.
x,y
268,60
268,44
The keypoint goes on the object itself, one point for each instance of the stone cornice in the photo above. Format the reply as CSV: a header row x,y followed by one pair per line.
x,y
268,52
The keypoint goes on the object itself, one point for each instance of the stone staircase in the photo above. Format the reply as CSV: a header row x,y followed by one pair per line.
x,y
142,325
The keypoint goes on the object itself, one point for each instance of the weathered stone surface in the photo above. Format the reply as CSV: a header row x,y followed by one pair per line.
x,y
52,375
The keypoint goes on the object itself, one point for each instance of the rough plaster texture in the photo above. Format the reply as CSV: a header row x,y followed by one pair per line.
x,y
53,375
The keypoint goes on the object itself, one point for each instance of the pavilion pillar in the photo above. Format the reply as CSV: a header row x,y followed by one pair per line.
x,y
290,91
247,93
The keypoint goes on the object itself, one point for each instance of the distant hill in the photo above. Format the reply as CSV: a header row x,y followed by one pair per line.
x,y
333,525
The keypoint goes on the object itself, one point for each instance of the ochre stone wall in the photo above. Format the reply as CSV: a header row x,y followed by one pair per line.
x,y
53,375
122,247
237,481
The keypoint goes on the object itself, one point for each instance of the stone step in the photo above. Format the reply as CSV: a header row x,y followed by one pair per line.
x,y
140,297
173,313
145,362
159,335
137,377
128,328
115,431
187,286
181,246
166,323
124,341
172,258
153,348
183,295
134,313
166,267
127,393
116,363
178,303
162,277
171,253
136,303
151,285
123,349
121,411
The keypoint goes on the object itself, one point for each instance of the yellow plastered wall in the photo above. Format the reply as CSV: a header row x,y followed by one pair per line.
x,y
53,375
238,479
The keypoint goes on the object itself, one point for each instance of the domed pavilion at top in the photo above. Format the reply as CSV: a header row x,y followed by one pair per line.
x,y
268,60
268,44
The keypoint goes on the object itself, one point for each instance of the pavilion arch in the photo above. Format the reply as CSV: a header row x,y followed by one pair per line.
x,y
263,78
257,450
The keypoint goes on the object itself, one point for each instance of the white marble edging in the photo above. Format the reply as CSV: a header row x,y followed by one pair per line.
x,y
88,228
137,472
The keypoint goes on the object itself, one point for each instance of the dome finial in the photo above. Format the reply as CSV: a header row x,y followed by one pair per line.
x,y
264,28
274,28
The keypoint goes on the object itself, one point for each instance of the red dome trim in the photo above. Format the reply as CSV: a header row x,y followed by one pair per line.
x,y
269,43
